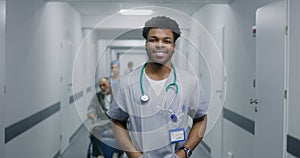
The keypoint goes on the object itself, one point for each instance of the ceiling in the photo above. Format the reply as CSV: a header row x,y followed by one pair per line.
x,y
95,12
110,7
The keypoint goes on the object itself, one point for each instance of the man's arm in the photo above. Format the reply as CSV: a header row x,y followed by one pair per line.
x,y
123,138
195,136
91,111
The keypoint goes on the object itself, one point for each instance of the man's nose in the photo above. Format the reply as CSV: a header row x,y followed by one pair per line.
x,y
160,44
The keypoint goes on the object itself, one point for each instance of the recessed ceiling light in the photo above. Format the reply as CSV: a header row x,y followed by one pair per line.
x,y
136,11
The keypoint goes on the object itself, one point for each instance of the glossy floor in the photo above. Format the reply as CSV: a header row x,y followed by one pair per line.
x,y
80,143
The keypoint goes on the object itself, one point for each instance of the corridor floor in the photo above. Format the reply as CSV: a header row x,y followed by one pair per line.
x,y
79,146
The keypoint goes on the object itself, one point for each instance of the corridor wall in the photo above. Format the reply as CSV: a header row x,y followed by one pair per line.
x,y
43,110
233,134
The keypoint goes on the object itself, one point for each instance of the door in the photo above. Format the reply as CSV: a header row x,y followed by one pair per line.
x,y
270,81
66,91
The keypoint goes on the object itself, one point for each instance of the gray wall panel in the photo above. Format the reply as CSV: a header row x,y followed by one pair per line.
x,y
239,120
22,126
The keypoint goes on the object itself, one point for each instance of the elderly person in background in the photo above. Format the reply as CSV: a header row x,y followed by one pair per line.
x,y
102,134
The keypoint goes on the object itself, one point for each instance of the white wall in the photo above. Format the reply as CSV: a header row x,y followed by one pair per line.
x,y
294,75
238,18
2,73
36,34
69,43
89,47
103,58
210,68
83,74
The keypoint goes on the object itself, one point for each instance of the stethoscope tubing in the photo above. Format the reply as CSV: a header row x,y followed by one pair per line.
x,y
144,97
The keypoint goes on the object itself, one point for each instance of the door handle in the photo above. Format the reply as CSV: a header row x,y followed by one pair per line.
x,y
255,109
253,101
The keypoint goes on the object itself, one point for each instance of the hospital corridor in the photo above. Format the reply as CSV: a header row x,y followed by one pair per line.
x,y
75,73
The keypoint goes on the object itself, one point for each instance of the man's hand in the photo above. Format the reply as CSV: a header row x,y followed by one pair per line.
x,y
134,154
181,154
123,138
92,116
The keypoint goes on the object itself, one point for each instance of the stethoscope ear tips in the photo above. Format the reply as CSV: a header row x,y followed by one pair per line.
x,y
144,98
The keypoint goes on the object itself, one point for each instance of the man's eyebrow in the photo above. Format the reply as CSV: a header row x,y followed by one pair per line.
x,y
157,37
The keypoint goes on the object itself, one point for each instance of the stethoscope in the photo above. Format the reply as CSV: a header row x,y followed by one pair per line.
x,y
145,98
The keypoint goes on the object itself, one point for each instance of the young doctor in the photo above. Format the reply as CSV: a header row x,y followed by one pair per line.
x,y
151,107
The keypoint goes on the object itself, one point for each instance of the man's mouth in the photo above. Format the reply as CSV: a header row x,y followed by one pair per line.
x,y
159,54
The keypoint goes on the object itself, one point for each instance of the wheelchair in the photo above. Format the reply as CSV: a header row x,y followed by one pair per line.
x,y
102,143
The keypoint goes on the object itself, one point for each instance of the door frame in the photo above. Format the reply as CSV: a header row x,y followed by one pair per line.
x,y
2,75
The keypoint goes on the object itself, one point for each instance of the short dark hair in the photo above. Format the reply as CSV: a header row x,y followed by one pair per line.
x,y
162,22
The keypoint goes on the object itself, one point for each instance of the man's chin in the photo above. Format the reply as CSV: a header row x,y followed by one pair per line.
x,y
103,92
158,62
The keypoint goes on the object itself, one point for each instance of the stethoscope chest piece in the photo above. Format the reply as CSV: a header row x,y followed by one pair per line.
x,y
144,98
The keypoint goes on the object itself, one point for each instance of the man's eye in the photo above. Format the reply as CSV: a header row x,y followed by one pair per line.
x,y
168,42
151,40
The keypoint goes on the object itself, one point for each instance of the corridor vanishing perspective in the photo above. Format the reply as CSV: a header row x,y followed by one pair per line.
x,y
245,53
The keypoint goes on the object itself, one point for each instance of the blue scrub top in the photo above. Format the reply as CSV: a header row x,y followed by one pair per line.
x,y
150,122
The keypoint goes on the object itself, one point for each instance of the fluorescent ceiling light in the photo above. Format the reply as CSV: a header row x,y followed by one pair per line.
x,y
136,12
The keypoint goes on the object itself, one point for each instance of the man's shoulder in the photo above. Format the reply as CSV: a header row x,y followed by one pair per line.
x,y
98,94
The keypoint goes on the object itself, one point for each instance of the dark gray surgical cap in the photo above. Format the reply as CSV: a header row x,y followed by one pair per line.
x,y
161,22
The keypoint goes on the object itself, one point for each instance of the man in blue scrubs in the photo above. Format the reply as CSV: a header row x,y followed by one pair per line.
x,y
152,105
